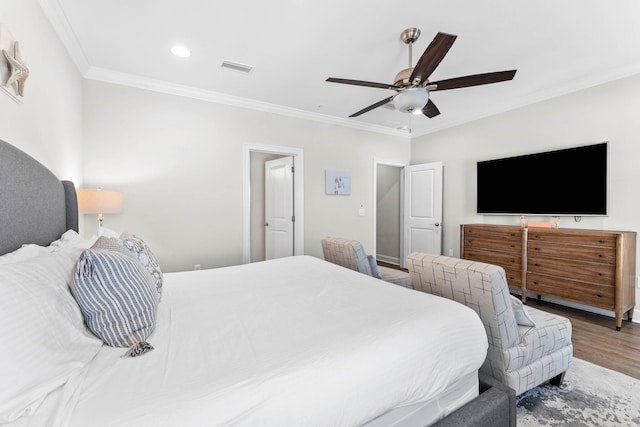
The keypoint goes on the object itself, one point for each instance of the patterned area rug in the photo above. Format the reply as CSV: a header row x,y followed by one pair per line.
x,y
589,396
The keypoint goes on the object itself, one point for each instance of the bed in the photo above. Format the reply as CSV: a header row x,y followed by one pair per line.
x,y
291,342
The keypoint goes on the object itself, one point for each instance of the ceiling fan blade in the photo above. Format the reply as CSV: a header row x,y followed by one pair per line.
x,y
473,80
362,83
430,110
432,57
372,106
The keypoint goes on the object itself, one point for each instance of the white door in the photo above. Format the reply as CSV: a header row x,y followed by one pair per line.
x,y
422,209
279,208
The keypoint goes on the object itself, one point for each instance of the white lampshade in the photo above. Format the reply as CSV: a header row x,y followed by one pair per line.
x,y
410,100
100,202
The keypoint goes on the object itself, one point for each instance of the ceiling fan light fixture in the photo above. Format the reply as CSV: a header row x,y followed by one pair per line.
x,y
411,100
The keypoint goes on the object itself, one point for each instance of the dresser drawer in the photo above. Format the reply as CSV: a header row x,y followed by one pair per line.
x,y
571,290
569,237
503,259
601,274
603,254
498,240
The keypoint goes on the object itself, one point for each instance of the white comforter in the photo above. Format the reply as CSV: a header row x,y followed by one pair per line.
x,y
289,342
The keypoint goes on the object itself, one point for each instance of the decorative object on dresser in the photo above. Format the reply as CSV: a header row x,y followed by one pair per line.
x,y
595,268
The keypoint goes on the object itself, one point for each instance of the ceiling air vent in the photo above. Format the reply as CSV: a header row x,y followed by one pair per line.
x,y
237,66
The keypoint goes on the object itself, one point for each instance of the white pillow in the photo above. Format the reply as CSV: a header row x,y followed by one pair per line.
x,y
23,253
68,239
44,340
106,232
522,315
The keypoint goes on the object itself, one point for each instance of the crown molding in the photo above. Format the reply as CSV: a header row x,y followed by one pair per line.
x,y
56,16
555,92
54,12
140,82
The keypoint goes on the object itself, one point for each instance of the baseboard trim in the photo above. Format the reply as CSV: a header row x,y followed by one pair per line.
x,y
388,259
636,311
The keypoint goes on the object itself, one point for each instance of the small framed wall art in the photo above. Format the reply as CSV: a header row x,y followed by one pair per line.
x,y
13,68
337,183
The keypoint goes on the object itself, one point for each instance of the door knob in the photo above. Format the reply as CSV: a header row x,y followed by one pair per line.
x,y
437,224
266,224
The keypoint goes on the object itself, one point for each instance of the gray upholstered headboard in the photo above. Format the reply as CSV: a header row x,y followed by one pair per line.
x,y
35,207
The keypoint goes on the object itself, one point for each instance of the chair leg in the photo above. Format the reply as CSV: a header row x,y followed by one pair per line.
x,y
557,380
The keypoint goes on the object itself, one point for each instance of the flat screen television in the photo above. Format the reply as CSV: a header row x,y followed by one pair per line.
x,y
569,182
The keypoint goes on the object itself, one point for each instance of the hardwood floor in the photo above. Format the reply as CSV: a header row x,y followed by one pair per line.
x,y
596,340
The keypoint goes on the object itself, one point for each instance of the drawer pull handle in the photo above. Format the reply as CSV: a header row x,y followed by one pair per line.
x,y
600,274
599,295
537,265
600,241
600,256
511,261
535,283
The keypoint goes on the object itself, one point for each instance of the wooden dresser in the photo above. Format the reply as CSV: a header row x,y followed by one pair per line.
x,y
588,267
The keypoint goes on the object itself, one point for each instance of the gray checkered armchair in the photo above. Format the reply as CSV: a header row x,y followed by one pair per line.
x,y
351,254
527,346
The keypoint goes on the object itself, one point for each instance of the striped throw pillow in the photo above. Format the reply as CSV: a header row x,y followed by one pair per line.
x,y
117,297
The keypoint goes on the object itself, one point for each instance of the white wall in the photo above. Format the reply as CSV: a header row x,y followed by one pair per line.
x,y
605,113
48,125
179,163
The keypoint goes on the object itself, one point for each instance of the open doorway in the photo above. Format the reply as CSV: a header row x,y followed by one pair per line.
x,y
388,211
389,214
255,158
408,210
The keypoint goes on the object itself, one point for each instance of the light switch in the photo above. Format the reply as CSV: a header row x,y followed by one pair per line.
x,y
361,211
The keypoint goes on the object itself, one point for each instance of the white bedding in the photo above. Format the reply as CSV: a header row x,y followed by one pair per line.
x,y
290,342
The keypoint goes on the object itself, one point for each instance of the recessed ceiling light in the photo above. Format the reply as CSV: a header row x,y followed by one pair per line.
x,y
181,51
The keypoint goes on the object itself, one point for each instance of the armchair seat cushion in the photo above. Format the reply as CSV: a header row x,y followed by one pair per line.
x,y
551,333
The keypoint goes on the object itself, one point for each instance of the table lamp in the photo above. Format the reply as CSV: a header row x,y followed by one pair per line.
x,y
100,202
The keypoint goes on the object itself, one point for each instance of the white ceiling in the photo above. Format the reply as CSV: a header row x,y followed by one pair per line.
x,y
294,45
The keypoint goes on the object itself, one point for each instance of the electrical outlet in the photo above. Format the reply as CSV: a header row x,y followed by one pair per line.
x,y
450,252
196,267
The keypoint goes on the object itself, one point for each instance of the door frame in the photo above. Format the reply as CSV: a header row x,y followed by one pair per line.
x,y
398,164
298,195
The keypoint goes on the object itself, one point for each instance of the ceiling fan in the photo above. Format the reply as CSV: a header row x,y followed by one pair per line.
x,y
412,84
